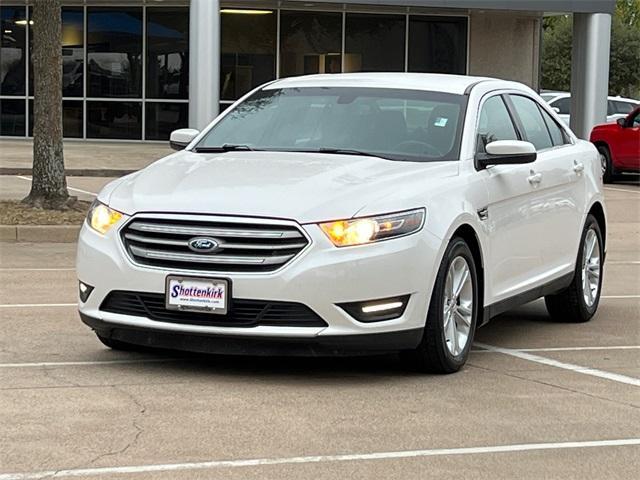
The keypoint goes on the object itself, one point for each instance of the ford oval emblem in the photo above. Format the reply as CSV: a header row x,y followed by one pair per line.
x,y
203,244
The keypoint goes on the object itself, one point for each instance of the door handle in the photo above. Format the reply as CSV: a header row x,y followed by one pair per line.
x,y
534,178
578,166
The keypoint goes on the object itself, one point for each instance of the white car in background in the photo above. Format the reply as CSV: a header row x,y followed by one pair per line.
x,y
617,107
348,214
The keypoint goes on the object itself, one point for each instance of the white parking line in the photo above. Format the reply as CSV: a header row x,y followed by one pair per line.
x,y
30,305
83,363
568,349
258,462
68,187
613,297
21,269
565,366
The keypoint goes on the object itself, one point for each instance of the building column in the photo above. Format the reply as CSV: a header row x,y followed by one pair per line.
x,y
204,62
589,71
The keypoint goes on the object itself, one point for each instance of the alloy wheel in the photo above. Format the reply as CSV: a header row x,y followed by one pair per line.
x,y
458,305
603,163
591,267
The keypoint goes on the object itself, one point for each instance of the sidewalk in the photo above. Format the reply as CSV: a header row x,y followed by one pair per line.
x,y
84,158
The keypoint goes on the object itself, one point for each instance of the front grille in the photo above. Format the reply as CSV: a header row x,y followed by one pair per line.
x,y
242,313
242,247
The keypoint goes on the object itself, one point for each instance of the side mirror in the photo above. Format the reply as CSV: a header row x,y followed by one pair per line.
x,y
622,122
555,109
506,152
181,138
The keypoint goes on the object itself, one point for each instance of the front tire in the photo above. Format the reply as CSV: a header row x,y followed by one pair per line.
x,y
579,302
608,170
452,316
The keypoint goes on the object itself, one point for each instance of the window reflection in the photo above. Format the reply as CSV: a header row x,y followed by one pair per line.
x,y
164,118
114,52
438,44
114,120
72,51
12,117
374,43
167,53
248,47
12,51
310,42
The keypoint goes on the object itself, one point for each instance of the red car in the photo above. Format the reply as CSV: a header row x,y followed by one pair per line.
x,y
619,145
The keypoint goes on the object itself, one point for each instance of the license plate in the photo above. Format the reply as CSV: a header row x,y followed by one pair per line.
x,y
191,294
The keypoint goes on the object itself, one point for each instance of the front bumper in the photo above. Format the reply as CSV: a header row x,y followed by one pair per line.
x,y
321,277
319,345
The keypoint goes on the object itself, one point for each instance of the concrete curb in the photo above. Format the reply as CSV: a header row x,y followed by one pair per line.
x,y
39,233
73,172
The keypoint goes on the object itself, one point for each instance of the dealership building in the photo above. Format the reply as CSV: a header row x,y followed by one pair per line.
x,y
136,70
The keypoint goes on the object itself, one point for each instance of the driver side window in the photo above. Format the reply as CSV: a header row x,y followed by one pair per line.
x,y
495,123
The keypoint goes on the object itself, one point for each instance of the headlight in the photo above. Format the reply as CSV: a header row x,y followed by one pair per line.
x,y
101,218
358,231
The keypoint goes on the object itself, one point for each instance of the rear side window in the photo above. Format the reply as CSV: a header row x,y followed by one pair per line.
x,y
557,134
563,105
495,123
623,107
535,128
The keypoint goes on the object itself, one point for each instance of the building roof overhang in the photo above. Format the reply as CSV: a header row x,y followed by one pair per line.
x,y
564,6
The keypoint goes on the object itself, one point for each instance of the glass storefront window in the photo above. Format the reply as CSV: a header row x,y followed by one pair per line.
x,y
164,118
438,44
72,118
12,52
167,53
114,52
310,42
374,43
248,51
121,120
12,117
72,52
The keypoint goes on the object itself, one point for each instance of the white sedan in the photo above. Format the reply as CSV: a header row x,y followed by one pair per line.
x,y
349,214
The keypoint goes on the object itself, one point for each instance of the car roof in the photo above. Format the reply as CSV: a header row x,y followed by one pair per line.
x,y
610,97
434,82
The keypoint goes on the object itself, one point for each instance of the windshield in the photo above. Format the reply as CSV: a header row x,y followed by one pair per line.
x,y
390,123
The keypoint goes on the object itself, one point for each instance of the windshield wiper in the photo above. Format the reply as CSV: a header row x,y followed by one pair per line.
x,y
350,151
227,147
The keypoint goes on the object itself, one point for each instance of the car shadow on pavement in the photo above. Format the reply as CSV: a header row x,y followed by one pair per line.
x,y
528,321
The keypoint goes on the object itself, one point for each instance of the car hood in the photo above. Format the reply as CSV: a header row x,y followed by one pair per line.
x,y
306,187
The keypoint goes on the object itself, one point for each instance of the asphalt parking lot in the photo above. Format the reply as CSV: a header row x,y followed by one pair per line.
x,y
537,400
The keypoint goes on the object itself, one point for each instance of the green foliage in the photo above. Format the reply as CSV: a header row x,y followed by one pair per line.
x,y
628,12
624,73
556,54
624,67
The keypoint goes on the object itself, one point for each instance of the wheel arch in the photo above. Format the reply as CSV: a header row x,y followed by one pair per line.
x,y
597,210
601,143
470,236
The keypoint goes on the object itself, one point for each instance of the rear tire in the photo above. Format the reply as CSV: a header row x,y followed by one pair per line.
x,y
452,316
608,170
579,301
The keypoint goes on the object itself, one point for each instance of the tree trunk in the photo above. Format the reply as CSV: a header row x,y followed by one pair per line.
x,y
49,184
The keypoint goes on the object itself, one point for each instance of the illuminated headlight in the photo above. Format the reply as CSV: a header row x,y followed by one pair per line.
x,y
358,231
101,218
